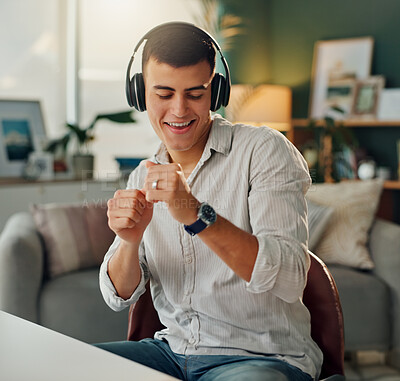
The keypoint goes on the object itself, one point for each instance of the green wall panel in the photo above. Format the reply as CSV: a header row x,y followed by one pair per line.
x,y
280,35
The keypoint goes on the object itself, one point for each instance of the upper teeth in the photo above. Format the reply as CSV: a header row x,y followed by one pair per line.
x,y
179,124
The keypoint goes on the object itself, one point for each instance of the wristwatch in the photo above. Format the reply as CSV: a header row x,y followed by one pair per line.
x,y
207,216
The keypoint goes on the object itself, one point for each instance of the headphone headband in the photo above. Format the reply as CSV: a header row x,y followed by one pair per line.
x,y
135,87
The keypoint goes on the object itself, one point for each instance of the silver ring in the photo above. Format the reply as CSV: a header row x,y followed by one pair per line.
x,y
154,184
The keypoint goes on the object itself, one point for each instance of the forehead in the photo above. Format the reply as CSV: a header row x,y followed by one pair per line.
x,y
159,73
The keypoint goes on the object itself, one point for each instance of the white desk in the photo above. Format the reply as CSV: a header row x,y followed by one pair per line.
x,y
31,352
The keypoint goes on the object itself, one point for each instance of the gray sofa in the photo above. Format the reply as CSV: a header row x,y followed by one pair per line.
x,y
72,303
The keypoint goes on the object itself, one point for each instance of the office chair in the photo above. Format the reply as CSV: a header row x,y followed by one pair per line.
x,y
320,297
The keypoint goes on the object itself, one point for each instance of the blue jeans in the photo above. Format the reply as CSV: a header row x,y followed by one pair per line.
x,y
158,355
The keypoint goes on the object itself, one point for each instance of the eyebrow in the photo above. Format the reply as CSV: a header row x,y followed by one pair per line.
x,y
159,87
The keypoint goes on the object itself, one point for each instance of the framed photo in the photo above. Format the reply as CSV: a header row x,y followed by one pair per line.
x,y
336,65
339,94
21,133
366,97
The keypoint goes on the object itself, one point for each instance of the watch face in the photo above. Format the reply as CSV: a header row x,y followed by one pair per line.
x,y
208,214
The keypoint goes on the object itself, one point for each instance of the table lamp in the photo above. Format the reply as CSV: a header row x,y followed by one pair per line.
x,y
264,105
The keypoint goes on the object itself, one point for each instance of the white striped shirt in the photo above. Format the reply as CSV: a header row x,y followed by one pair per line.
x,y
257,179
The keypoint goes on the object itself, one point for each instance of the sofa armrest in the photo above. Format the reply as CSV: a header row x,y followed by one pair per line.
x,y
385,251
21,267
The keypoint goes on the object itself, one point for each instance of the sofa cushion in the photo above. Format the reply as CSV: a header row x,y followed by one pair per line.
x,y
75,236
366,305
318,220
354,203
73,305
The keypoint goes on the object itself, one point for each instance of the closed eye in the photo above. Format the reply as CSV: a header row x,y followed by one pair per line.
x,y
195,97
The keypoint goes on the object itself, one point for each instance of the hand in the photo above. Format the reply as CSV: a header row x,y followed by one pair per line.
x,y
173,189
129,214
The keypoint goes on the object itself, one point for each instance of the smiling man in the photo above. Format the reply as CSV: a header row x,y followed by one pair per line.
x,y
216,221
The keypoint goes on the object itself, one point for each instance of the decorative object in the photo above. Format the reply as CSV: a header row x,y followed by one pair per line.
x,y
383,173
83,160
336,63
75,236
340,94
345,239
268,105
40,166
21,129
366,169
388,107
366,97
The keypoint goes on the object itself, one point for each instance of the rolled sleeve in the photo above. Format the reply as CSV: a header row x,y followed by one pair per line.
x,y
278,216
113,300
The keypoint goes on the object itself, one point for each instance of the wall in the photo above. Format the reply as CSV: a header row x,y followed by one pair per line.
x,y
278,48
280,36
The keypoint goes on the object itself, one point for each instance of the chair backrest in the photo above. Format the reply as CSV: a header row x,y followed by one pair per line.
x,y
320,297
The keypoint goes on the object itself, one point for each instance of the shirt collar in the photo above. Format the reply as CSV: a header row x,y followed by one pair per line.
x,y
219,140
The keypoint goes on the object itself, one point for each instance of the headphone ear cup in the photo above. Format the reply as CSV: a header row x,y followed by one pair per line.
x,y
218,88
128,92
135,94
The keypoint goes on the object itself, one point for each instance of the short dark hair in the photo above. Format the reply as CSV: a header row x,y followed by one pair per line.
x,y
178,47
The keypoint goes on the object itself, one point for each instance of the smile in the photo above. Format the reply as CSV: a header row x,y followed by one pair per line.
x,y
179,128
185,124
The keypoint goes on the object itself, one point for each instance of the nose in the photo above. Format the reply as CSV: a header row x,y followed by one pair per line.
x,y
179,106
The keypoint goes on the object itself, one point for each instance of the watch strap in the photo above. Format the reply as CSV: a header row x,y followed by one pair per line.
x,y
196,227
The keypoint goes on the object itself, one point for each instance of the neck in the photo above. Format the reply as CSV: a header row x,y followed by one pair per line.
x,y
188,161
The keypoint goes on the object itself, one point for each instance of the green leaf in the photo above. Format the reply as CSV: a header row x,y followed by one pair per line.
x,y
119,117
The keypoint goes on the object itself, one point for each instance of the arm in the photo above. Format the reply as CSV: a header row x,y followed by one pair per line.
x,y
122,274
128,216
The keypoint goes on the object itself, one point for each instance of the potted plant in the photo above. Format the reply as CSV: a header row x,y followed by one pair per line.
x,y
82,158
332,150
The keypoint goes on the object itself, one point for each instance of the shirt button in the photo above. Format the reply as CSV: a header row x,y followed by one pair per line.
x,y
192,341
189,260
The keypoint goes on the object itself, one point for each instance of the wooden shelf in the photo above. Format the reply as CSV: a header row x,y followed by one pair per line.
x,y
352,123
392,184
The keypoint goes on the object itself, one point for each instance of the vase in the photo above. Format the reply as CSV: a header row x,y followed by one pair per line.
x,y
83,166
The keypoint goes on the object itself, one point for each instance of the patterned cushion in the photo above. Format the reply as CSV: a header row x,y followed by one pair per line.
x,y
345,239
75,236
318,219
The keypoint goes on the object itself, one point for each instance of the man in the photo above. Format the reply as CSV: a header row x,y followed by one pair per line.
x,y
217,223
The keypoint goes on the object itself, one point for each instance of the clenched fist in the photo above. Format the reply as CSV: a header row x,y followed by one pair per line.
x,y
167,183
129,214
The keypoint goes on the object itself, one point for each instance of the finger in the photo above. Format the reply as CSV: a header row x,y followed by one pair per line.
x,y
149,164
134,213
183,180
126,193
127,203
118,224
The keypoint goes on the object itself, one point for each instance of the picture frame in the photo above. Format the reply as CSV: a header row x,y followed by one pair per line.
x,y
22,131
366,97
334,62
